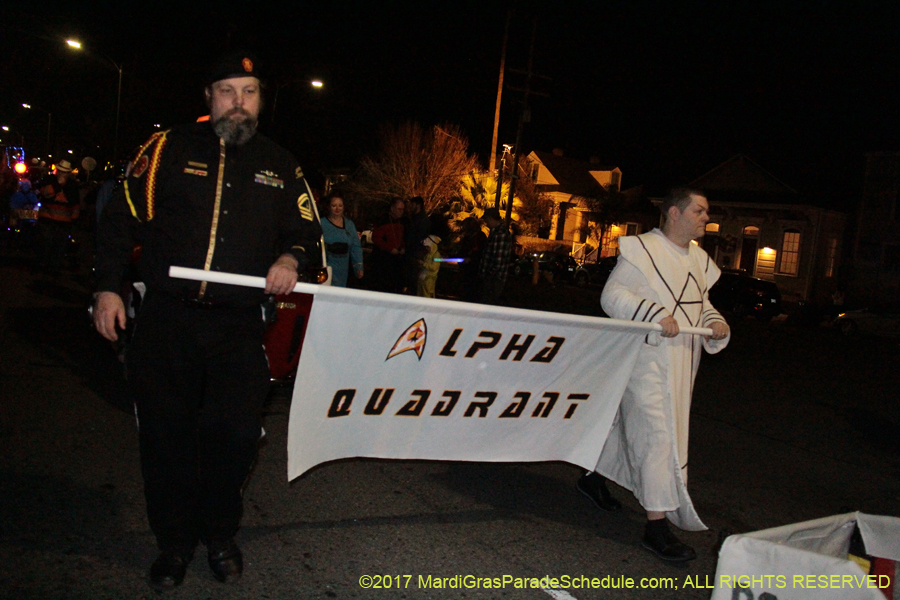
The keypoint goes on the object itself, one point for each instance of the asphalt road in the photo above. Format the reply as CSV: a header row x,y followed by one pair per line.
x,y
788,424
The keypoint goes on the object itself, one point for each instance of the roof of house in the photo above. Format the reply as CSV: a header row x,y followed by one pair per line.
x,y
574,176
741,179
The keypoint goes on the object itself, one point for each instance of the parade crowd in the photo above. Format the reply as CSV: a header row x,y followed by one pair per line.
x,y
220,196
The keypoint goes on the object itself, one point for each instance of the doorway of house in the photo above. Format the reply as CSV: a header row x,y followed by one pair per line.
x,y
749,244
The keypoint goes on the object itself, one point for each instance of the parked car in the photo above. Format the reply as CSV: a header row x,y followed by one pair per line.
x,y
742,295
595,273
882,320
562,266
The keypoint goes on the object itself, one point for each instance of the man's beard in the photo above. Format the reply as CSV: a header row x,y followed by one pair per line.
x,y
235,132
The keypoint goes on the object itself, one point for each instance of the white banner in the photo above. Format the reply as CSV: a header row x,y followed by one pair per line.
x,y
391,376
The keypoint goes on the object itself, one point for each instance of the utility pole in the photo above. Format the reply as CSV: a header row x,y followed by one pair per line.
x,y
500,170
493,163
524,117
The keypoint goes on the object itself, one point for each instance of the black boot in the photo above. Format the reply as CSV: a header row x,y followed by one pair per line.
x,y
225,560
660,540
593,485
168,570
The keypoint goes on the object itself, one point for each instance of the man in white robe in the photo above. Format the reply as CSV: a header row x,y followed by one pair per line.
x,y
661,277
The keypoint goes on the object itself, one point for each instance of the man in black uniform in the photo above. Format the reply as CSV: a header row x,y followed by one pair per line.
x,y
220,197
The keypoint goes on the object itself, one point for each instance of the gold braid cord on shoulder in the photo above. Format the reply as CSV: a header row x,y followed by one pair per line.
x,y
153,138
151,174
215,219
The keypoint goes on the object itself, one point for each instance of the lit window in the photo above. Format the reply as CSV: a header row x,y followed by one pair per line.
x,y
711,239
610,245
790,253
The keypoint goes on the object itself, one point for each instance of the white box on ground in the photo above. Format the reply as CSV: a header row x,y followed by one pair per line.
x,y
806,561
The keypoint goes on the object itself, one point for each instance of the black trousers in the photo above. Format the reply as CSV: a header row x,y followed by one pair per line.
x,y
199,378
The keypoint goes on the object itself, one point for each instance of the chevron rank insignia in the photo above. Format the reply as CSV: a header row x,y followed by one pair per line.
x,y
304,206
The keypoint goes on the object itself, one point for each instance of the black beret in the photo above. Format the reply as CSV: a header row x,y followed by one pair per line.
x,y
234,64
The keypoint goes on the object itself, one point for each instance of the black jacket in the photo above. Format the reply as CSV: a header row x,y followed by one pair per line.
x,y
168,205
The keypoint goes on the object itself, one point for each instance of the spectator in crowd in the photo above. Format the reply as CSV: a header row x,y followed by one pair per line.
x,y
24,199
389,249
417,227
471,244
342,247
496,259
60,207
429,267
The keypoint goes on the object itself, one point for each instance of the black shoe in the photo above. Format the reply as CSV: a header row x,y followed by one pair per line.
x,y
593,485
167,571
225,560
660,540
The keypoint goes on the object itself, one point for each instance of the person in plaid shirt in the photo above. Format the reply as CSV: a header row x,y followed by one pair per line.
x,y
496,258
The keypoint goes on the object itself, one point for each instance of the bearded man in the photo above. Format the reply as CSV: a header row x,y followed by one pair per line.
x,y
216,196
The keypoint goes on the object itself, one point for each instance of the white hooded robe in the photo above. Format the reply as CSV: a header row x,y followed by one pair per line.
x,y
646,451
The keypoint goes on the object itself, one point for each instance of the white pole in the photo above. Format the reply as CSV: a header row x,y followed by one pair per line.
x,y
502,312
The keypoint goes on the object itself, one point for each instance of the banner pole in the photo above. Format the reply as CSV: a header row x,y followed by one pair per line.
x,y
309,288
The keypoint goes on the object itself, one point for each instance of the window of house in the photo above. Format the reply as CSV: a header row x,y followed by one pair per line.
x,y
610,245
790,253
616,177
711,239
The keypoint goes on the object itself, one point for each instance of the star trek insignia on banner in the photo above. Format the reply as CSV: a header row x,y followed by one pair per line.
x,y
411,339
303,205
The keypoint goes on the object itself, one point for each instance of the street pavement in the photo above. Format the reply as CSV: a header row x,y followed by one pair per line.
x,y
788,424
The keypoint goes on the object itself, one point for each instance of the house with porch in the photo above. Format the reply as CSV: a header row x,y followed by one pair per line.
x,y
764,227
576,187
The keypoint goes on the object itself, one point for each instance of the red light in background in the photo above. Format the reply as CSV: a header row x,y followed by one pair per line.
x,y
20,168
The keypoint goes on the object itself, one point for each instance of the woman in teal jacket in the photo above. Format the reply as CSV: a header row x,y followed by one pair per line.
x,y
342,247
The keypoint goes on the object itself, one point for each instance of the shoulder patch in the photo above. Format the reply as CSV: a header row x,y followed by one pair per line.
x,y
304,206
298,173
140,166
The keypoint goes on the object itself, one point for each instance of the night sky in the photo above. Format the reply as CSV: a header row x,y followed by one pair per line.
x,y
665,91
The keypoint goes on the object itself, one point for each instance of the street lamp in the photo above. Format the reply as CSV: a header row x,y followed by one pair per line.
x,y
49,117
77,45
21,137
316,83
